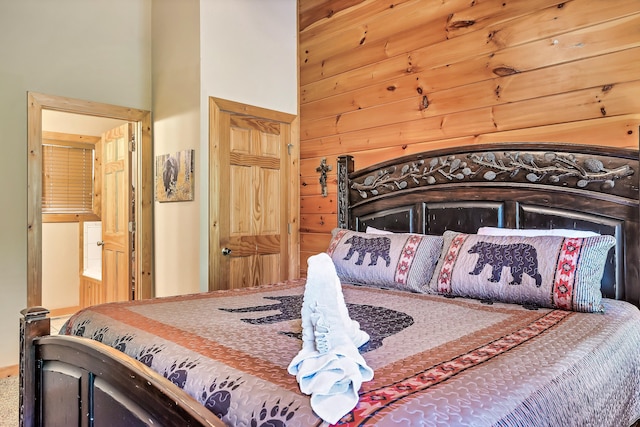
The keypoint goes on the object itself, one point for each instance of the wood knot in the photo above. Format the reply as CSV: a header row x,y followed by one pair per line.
x,y
425,103
504,71
462,24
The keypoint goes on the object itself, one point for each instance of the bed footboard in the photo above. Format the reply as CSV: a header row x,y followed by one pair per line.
x,y
67,380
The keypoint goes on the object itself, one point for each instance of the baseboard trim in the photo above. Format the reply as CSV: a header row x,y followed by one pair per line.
x,y
65,311
9,371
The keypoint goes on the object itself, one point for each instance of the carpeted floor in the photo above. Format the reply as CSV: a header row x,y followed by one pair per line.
x,y
9,402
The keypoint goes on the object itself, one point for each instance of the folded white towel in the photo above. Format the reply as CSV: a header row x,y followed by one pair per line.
x,y
329,366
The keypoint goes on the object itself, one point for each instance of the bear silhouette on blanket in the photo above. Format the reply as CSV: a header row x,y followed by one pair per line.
x,y
521,258
378,322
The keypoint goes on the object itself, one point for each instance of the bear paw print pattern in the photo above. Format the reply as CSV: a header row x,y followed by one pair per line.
x,y
98,335
277,416
217,398
178,373
81,327
147,354
120,343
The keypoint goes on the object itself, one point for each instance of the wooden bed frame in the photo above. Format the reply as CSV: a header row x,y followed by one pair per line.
x,y
68,380
77,381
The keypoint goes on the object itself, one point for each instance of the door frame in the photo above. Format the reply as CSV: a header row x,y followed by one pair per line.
x,y
218,106
143,157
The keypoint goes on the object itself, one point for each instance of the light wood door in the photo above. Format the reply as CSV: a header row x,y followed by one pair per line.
x,y
143,177
116,213
250,195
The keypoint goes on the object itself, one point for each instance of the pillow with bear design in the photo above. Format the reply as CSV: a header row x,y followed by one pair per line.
x,y
398,260
547,271
497,231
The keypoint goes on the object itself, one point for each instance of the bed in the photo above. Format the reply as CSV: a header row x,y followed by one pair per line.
x,y
441,356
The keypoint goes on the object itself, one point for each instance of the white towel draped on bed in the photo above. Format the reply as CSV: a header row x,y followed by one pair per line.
x,y
329,367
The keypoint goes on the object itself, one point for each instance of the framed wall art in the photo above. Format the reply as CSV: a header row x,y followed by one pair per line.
x,y
174,178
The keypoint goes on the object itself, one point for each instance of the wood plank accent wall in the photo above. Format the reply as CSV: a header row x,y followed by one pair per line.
x,y
381,78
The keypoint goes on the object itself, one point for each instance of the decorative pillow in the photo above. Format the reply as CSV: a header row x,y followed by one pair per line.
x,y
373,230
547,271
496,231
397,260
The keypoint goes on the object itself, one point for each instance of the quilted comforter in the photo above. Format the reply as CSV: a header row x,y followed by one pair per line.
x,y
437,361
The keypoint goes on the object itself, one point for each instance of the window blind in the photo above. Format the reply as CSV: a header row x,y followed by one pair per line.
x,y
67,179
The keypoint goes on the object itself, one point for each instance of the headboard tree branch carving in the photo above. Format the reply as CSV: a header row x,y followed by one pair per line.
x,y
553,168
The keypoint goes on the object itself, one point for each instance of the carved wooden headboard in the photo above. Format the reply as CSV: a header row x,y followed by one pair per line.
x,y
513,185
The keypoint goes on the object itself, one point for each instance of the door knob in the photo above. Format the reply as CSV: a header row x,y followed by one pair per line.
x,y
226,251
100,243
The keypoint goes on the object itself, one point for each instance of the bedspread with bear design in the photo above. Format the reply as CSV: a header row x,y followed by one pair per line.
x,y
437,361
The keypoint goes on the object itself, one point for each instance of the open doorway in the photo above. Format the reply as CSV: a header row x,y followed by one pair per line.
x,y
73,215
141,277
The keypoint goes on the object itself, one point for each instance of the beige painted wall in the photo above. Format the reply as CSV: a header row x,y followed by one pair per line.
x,y
60,265
249,55
66,48
69,48
176,127
243,51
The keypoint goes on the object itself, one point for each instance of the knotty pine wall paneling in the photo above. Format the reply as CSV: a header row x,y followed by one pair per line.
x,y
389,78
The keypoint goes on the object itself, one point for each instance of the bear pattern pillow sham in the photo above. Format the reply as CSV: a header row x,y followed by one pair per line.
x,y
398,260
546,271
496,231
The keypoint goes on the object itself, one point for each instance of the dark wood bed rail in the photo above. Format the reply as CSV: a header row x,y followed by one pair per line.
x,y
68,380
